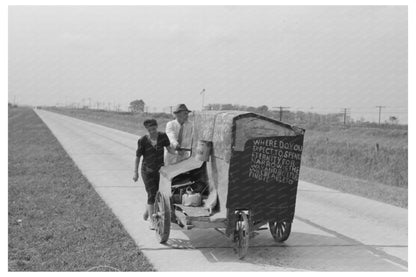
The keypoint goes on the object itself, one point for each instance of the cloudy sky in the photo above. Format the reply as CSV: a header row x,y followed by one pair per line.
x,y
300,57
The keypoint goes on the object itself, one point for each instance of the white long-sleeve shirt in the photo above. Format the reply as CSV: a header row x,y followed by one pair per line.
x,y
172,130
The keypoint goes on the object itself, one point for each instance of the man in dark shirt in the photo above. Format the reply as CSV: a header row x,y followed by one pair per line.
x,y
151,148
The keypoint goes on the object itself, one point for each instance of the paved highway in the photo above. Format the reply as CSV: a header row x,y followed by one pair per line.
x,y
332,231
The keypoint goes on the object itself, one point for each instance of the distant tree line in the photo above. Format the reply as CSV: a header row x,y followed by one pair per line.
x,y
309,120
261,109
304,119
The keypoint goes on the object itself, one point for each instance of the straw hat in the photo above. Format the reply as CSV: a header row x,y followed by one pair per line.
x,y
181,107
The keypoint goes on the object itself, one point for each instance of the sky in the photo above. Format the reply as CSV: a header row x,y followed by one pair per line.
x,y
311,58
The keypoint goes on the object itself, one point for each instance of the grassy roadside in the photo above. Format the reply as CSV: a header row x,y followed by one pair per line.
x,y
394,195
56,220
127,122
377,155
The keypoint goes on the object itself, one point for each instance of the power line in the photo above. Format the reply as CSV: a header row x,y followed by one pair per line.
x,y
376,112
355,108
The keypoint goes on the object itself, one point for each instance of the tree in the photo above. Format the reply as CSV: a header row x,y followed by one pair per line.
x,y
251,109
137,106
262,109
394,120
227,107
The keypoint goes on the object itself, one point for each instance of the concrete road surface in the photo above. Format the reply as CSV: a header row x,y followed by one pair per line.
x,y
332,231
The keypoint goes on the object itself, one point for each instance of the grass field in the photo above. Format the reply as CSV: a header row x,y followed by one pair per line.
x,y
56,220
346,159
379,155
131,123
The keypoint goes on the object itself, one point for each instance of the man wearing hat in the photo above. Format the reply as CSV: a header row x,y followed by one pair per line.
x,y
179,132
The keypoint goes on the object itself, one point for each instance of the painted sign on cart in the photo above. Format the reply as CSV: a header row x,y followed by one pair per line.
x,y
274,160
264,177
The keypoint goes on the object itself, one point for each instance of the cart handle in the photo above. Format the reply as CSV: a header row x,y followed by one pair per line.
x,y
184,149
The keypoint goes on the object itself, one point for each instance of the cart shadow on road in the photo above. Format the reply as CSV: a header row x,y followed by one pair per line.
x,y
302,251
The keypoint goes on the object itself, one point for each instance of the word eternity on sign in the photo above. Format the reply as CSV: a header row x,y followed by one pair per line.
x,y
275,159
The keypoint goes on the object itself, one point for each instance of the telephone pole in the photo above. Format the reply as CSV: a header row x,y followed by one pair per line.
x,y
379,113
345,115
281,111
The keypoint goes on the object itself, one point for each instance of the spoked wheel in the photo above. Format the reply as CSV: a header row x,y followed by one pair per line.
x,y
280,230
241,235
162,217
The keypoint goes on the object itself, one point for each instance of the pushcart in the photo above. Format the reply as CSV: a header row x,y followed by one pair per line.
x,y
245,167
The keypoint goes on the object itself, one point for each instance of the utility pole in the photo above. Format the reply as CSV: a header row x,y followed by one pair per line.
x,y
345,115
281,111
379,113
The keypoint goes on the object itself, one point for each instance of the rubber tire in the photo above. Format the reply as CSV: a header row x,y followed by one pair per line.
x,y
280,230
242,234
162,220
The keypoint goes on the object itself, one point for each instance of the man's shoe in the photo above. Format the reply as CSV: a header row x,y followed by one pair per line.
x,y
152,225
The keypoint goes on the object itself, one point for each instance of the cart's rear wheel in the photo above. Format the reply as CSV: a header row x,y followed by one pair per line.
x,y
241,236
162,217
280,230
172,210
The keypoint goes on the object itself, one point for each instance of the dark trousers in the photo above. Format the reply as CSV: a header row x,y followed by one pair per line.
x,y
151,182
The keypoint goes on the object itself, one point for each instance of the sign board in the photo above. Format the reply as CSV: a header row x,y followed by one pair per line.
x,y
264,177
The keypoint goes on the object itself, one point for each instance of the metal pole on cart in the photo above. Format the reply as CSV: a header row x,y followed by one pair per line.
x,y
203,96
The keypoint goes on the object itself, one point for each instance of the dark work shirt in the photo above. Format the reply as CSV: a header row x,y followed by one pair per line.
x,y
152,155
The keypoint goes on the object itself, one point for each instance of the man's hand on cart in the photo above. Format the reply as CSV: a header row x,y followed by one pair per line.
x,y
181,151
